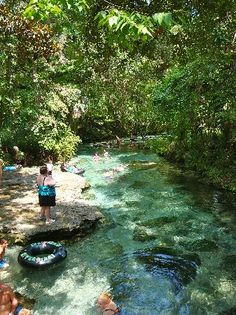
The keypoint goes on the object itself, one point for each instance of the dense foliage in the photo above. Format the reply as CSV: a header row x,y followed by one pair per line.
x,y
90,70
197,110
195,99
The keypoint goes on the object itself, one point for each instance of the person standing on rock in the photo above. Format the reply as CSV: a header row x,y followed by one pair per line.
x,y
47,194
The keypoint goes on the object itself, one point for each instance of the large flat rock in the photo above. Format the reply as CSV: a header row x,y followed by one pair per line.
x,y
19,208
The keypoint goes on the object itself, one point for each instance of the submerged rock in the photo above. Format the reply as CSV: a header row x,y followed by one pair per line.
x,y
156,222
142,165
229,263
132,203
142,234
231,311
203,245
138,184
179,268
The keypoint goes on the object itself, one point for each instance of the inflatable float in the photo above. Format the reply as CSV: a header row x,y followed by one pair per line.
x,y
75,170
42,254
9,168
4,263
72,169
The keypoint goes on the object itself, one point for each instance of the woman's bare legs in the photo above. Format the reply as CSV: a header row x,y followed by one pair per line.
x,y
47,213
43,212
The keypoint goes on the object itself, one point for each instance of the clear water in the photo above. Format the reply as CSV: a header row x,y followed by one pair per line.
x,y
167,245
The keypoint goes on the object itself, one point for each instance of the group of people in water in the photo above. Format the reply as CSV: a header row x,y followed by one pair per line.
x,y
97,157
109,174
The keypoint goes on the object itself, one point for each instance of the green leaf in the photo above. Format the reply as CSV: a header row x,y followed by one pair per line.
x,y
101,15
168,19
123,25
113,20
176,29
56,10
29,12
158,17
146,31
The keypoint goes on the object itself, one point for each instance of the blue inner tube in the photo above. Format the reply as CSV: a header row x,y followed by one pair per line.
x,y
78,171
9,168
3,263
42,254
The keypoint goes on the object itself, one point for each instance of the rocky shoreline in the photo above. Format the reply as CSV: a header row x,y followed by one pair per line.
x,y
19,221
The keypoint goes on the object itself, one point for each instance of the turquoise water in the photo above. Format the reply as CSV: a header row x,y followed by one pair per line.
x,y
167,244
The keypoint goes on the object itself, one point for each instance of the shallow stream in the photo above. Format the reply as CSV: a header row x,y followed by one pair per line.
x,y
167,245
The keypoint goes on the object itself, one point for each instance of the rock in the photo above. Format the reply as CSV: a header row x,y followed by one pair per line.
x,y
142,234
19,218
157,222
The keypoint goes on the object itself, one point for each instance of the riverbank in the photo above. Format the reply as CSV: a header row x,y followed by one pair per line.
x,y
19,202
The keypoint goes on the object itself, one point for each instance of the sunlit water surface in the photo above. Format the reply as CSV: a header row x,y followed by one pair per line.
x,y
167,245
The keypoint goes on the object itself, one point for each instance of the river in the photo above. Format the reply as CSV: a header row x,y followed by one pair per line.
x,y
167,245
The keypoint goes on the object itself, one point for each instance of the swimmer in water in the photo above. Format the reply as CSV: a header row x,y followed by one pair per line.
x,y
119,168
96,157
106,154
106,305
